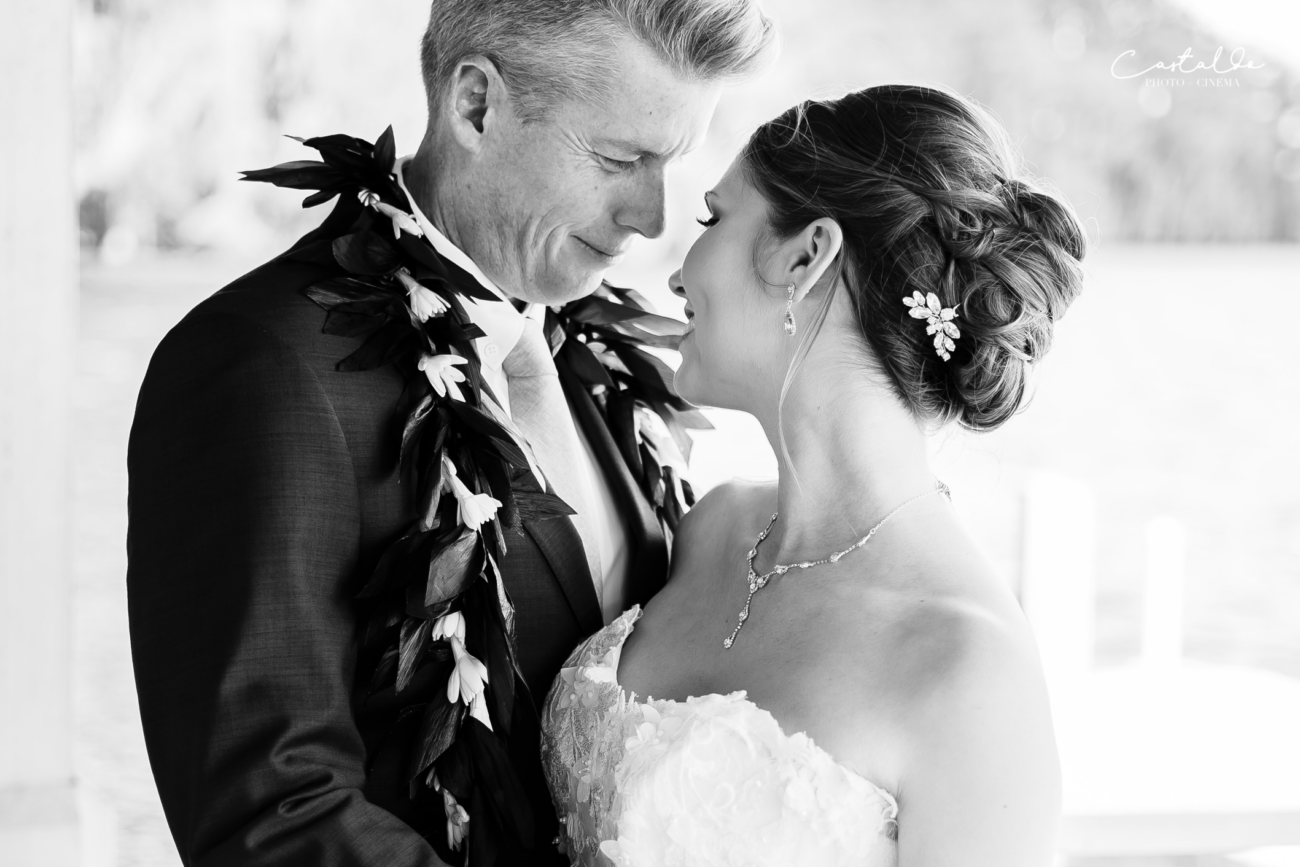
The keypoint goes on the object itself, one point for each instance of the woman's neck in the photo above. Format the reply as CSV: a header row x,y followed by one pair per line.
x,y
852,454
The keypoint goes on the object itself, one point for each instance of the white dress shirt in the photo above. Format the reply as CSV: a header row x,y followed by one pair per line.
x,y
502,326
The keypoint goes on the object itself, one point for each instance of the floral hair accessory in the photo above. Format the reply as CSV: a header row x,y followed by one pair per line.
x,y
939,321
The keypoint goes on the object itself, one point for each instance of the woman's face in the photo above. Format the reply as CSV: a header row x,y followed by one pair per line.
x,y
735,353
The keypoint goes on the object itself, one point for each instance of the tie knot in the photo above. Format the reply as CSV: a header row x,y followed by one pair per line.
x,y
531,355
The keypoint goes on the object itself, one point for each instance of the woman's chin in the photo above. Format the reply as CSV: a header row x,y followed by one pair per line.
x,y
683,384
687,380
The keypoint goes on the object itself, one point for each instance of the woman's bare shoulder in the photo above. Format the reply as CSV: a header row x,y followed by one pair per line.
x,y
954,635
919,654
713,525
977,762
727,508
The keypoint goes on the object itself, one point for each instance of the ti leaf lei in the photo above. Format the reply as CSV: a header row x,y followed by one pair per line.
x,y
438,630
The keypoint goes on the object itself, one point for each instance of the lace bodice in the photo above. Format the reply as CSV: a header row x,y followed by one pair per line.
x,y
712,780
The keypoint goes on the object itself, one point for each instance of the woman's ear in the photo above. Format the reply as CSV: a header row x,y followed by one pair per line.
x,y
476,99
808,255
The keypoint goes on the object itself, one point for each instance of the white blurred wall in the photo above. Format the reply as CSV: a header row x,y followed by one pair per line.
x,y
38,335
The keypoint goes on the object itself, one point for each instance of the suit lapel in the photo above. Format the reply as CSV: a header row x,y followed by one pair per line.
x,y
648,554
560,544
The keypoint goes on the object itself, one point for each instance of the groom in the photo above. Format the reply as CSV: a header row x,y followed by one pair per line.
x,y
264,480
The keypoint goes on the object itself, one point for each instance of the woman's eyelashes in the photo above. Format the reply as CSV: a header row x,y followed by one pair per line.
x,y
712,218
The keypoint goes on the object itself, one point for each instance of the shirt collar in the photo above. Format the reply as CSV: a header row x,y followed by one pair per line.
x,y
502,324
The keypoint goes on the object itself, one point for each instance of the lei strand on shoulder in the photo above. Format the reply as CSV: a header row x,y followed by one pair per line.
x,y
437,638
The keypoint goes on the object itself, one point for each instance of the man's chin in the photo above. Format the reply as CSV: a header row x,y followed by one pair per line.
x,y
561,289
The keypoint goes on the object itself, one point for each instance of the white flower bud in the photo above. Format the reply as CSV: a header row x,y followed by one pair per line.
x,y
468,675
473,509
402,221
451,625
457,820
443,375
424,302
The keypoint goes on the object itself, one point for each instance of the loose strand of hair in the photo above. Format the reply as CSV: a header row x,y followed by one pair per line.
x,y
800,353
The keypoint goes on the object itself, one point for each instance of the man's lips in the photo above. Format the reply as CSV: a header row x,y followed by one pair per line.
x,y
599,251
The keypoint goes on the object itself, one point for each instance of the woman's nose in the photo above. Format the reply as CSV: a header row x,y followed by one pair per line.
x,y
675,284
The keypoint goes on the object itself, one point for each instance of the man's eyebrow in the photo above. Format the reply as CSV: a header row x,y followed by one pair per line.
x,y
631,147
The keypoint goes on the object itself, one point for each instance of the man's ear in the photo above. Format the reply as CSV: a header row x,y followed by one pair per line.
x,y
475,101
806,257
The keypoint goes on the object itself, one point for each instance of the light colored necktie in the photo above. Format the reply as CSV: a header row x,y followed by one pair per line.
x,y
539,410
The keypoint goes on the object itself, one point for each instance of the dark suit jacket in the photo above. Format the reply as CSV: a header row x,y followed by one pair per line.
x,y
263,488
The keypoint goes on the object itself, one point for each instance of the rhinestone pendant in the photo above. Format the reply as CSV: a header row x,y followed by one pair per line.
x,y
789,323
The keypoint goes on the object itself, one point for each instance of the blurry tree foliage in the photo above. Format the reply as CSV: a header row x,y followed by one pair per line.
x,y
177,96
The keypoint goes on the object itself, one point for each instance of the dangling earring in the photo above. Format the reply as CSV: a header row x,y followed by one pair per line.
x,y
789,313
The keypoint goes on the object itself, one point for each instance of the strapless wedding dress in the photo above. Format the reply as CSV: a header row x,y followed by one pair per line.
x,y
712,780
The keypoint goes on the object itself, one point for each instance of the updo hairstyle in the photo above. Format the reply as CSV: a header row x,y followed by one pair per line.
x,y
924,185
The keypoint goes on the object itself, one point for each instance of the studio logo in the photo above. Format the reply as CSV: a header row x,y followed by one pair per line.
x,y
1185,69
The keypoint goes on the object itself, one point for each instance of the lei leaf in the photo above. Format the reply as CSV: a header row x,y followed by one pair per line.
x,y
597,311
411,646
653,373
452,567
365,253
585,364
539,506
438,729
300,175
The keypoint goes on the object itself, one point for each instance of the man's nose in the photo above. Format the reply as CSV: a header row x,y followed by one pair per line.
x,y
642,210
675,284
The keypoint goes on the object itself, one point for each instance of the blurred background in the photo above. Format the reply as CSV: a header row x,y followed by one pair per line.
x,y
1144,507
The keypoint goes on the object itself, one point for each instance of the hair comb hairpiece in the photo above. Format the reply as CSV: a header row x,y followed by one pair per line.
x,y
939,321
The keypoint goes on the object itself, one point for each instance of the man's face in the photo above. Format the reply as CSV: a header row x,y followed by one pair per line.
x,y
548,207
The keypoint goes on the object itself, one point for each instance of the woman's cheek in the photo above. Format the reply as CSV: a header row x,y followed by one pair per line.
x,y
696,375
714,356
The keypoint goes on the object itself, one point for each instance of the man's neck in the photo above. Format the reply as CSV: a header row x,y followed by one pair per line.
x,y
423,185
426,209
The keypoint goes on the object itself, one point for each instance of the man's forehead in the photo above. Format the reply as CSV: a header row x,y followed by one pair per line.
x,y
674,125
651,109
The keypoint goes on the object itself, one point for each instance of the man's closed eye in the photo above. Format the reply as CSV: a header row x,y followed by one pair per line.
x,y
614,166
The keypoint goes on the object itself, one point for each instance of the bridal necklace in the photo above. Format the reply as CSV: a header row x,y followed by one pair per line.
x,y
758,582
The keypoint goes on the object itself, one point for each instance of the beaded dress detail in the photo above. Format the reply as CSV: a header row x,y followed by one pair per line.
x,y
712,780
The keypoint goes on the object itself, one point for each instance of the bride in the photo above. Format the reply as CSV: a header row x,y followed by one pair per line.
x,y
834,674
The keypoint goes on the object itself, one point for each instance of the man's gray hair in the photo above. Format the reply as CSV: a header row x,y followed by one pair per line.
x,y
551,50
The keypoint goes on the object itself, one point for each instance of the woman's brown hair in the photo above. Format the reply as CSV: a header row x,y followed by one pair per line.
x,y
925,187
